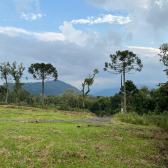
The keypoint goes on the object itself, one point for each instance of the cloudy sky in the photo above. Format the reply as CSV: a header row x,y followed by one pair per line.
x,y
78,36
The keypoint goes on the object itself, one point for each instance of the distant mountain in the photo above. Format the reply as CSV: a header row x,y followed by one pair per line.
x,y
50,87
113,91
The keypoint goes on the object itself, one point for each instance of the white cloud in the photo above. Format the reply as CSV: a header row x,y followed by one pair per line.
x,y
73,35
44,36
147,17
49,36
104,19
145,51
12,31
30,16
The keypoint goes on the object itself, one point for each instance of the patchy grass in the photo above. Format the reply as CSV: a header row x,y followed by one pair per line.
x,y
32,114
112,144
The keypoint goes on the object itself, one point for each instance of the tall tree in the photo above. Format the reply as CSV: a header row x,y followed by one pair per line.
x,y
88,82
42,71
123,62
130,90
17,73
121,96
3,91
5,72
164,55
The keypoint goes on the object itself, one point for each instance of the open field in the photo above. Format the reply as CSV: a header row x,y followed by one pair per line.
x,y
63,144
32,114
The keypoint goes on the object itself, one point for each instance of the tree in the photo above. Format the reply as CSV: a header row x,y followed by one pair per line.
x,y
121,96
41,71
160,96
114,102
130,90
69,95
124,64
88,82
5,71
164,57
17,74
3,90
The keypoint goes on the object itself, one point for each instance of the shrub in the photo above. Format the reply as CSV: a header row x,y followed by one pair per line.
x,y
134,118
158,123
64,107
150,113
2,103
164,113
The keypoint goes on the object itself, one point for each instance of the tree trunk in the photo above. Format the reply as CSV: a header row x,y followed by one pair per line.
x,y
16,99
124,93
121,96
83,104
42,92
6,101
83,96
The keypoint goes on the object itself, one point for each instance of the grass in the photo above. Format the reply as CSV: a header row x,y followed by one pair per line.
x,y
134,118
31,114
64,145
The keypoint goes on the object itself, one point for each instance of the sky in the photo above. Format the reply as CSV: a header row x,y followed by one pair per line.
x,y
77,37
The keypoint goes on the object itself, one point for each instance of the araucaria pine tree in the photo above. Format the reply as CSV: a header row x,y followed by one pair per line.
x,y
43,71
123,62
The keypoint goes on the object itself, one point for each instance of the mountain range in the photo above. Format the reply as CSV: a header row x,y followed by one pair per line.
x,y
112,91
50,87
58,87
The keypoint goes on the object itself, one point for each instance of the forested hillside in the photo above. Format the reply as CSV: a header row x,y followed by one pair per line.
x,y
50,87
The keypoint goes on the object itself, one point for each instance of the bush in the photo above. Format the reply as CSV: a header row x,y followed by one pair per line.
x,y
134,118
150,113
2,103
164,113
158,123
64,107
157,110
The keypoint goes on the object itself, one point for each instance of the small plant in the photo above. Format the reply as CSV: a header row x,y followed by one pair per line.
x,y
150,113
158,123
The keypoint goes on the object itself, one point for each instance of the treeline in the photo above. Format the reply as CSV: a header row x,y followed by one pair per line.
x,y
128,99
141,101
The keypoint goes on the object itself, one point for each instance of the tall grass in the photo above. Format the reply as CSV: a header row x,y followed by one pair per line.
x,y
145,119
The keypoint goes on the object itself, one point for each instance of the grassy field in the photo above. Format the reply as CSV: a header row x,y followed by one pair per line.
x,y
64,145
31,114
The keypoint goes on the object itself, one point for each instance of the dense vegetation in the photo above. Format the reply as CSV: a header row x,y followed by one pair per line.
x,y
138,100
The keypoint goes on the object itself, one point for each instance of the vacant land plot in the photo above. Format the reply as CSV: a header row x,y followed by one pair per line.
x,y
77,144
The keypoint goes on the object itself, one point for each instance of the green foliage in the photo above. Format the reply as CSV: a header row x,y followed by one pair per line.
x,y
134,118
63,107
115,101
158,123
127,58
42,70
2,103
150,113
3,91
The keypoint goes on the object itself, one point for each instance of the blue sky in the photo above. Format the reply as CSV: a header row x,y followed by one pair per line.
x,y
78,36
